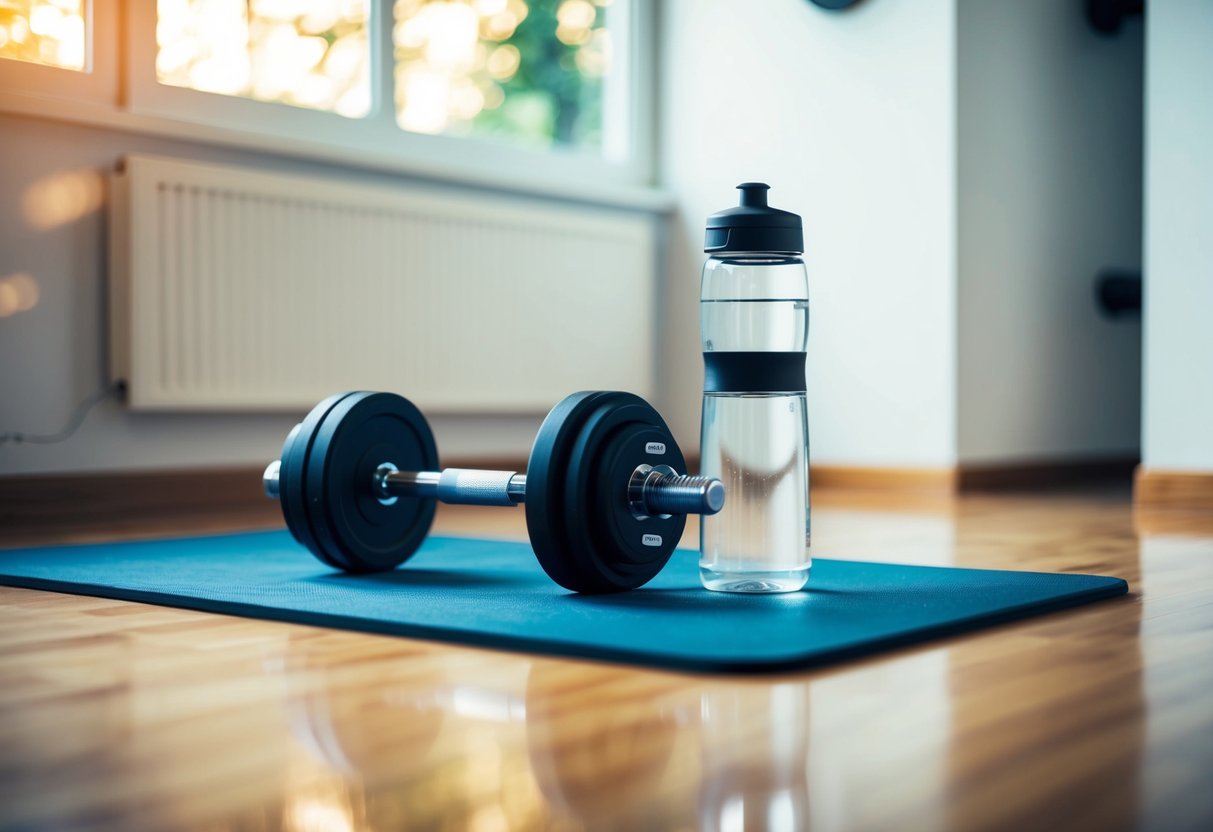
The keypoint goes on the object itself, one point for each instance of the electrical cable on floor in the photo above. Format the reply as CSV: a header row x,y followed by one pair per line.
x,y
73,424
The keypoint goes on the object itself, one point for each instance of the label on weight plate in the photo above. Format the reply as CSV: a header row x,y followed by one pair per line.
x,y
655,448
651,540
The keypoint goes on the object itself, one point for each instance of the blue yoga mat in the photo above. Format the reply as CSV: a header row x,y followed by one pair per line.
x,y
493,594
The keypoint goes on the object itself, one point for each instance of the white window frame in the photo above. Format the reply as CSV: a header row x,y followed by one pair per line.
x,y
132,98
97,82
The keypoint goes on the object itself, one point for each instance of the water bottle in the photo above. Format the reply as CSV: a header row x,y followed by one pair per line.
x,y
754,327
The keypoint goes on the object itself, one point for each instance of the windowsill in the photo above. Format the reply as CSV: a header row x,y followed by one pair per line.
x,y
97,114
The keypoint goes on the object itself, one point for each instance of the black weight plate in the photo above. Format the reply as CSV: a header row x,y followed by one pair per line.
x,y
291,492
549,459
360,433
594,559
572,494
596,489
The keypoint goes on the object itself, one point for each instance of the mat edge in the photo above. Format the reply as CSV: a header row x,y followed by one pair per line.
x,y
1115,587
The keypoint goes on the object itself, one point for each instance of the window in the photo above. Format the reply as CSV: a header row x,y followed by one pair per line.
x,y
531,73
48,33
538,94
48,49
314,55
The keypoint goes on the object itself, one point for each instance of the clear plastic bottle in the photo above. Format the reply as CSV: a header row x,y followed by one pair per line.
x,y
754,326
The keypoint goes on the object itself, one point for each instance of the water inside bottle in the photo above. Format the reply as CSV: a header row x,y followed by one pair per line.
x,y
756,445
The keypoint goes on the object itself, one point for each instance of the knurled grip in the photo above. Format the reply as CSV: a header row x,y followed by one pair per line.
x,y
473,487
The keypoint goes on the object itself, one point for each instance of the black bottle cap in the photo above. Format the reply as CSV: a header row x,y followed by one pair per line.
x,y
754,226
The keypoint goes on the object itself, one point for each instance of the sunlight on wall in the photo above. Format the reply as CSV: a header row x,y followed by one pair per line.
x,y
18,293
63,197
50,32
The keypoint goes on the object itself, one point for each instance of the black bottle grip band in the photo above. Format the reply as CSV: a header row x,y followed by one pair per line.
x,y
753,372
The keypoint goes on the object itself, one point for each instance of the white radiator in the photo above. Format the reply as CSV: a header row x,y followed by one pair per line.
x,y
233,289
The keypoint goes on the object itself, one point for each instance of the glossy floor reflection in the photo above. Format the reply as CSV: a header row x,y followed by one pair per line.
x,y
123,716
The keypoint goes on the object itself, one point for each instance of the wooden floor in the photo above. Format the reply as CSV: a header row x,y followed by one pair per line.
x,y
117,715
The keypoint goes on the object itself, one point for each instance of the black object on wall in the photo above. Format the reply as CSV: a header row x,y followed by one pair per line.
x,y
1118,293
834,5
1106,16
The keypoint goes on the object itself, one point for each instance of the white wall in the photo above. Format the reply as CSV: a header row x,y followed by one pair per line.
x,y
1178,399
850,118
1049,193
53,355
928,346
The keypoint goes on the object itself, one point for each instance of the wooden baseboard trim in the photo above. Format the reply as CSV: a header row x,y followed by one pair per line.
x,y
854,478
1186,490
30,504
967,478
80,502
87,502
1036,474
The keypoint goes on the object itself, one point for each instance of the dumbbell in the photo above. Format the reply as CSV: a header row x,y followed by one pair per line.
x,y
606,502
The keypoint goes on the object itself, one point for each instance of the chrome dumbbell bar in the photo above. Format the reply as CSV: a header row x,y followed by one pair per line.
x,y
652,490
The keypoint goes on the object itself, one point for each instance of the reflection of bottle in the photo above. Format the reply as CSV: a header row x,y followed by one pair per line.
x,y
602,766
755,757
754,326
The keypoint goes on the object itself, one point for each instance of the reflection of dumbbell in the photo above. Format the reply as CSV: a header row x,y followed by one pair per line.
x,y
605,503
421,735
